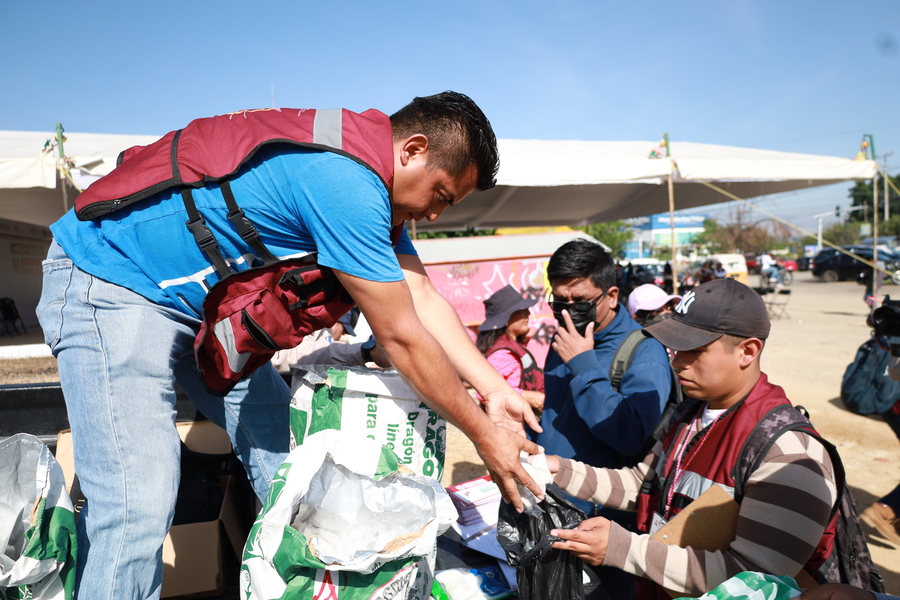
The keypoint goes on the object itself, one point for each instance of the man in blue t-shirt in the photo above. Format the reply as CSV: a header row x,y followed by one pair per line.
x,y
122,301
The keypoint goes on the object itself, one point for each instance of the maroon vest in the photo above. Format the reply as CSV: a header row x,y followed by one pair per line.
x,y
532,375
214,148
248,315
715,462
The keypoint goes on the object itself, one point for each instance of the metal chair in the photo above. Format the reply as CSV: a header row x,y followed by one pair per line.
x,y
10,318
776,302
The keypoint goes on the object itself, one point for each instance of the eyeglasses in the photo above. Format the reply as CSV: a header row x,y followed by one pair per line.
x,y
581,307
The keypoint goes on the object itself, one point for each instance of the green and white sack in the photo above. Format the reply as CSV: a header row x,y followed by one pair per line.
x,y
37,523
751,585
345,520
370,404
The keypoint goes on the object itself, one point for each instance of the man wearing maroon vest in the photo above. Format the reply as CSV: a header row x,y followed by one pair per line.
x,y
130,271
718,332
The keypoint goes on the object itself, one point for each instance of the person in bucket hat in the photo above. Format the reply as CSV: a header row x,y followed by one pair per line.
x,y
502,338
718,331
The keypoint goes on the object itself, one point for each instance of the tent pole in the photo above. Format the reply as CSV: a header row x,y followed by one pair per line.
x,y
62,156
672,230
876,279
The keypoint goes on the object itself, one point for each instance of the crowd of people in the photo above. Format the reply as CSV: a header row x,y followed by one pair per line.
x,y
125,298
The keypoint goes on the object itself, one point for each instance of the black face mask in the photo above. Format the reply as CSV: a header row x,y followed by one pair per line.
x,y
582,312
579,320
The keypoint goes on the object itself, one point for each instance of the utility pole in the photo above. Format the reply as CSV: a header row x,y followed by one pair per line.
x,y
887,193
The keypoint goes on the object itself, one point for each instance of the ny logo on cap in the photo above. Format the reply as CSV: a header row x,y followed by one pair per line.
x,y
686,302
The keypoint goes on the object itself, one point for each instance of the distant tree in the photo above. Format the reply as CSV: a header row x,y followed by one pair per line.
x,y
615,234
861,195
842,234
740,233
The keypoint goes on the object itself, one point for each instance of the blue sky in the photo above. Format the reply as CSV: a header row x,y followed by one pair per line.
x,y
795,75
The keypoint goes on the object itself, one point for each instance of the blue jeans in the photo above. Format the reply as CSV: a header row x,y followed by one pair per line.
x,y
770,272
119,356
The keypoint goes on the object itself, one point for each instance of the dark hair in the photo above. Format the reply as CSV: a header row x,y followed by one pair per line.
x,y
582,258
458,134
487,339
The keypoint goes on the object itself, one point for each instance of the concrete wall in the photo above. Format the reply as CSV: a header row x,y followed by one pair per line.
x,y
22,248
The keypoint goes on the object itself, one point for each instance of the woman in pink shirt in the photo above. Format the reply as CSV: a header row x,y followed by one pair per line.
x,y
500,340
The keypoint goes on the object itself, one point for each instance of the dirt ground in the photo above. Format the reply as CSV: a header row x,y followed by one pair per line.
x,y
806,354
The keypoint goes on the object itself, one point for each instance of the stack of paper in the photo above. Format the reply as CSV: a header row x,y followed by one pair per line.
x,y
477,501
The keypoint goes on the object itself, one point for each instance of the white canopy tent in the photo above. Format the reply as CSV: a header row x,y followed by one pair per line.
x,y
30,186
579,182
540,182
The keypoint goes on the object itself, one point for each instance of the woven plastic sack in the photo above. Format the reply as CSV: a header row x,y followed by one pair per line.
x,y
750,585
37,523
344,518
369,404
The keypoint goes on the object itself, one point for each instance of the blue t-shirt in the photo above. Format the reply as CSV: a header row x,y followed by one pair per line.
x,y
300,201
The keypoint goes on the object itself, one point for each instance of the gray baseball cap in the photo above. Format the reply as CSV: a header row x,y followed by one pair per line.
x,y
711,310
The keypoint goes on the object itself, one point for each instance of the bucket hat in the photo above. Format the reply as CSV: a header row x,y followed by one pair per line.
x,y
500,307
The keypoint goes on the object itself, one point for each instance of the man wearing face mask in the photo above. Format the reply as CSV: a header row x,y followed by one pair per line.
x,y
584,417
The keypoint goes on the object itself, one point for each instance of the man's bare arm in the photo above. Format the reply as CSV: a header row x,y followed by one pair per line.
x,y
504,405
389,309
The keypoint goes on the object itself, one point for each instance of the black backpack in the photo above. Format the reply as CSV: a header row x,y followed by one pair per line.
x,y
850,560
866,389
620,363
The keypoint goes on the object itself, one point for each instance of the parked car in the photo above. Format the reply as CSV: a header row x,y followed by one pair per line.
x,y
803,263
831,265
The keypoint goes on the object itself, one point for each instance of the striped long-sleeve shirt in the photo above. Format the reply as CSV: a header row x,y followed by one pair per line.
x,y
784,512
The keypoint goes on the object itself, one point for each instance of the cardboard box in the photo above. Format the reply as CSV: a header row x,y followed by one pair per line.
x,y
192,553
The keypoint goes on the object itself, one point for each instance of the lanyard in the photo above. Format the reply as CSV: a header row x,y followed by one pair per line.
x,y
685,442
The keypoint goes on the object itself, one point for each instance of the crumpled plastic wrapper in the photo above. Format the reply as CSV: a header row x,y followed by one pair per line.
x,y
536,466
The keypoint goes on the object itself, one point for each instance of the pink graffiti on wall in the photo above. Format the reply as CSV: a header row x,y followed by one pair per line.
x,y
467,285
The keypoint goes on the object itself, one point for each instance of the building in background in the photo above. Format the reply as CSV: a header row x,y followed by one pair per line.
x,y
655,232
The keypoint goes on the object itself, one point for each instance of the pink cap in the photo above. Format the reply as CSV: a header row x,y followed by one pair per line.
x,y
648,297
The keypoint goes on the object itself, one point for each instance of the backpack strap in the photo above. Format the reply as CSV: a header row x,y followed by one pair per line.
x,y
243,225
775,423
203,236
621,362
623,357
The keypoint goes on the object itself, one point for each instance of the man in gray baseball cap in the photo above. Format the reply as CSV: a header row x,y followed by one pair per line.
x,y
718,332
710,311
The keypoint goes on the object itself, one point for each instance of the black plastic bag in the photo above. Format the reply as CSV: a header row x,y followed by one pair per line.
x,y
542,572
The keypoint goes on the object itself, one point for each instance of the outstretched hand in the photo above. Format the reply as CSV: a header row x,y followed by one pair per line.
x,y
588,541
509,410
500,453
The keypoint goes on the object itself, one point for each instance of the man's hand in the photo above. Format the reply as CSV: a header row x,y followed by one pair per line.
x,y
568,343
508,409
588,541
836,591
500,453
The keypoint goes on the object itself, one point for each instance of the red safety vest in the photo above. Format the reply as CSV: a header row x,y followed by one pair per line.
x,y
251,314
714,463
532,375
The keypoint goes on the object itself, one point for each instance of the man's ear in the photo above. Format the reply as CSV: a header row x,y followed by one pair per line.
x,y
613,294
749,350
412,148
